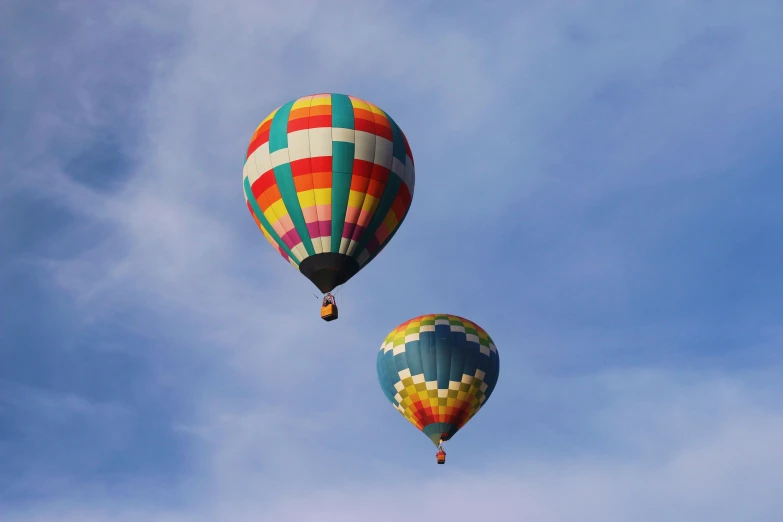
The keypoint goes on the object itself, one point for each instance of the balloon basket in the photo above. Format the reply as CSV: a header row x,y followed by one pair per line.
x,y
441,457
329,312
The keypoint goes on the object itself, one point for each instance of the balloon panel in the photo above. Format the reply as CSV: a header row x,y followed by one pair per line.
x,y
438,371
328,178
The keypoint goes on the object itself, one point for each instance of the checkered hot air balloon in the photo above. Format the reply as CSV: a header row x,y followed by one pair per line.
x,y
438,371
328,179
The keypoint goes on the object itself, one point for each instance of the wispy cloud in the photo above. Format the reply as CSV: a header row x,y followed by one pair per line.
x,y
700,450
589,176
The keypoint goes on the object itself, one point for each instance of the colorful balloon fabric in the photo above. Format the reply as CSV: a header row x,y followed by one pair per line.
x,y
328,179
438,371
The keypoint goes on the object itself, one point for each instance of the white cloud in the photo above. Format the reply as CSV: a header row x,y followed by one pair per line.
x,y
728,472
494,108
182,230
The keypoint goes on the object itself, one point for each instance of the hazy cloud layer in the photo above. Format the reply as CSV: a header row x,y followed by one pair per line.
x,y
597,187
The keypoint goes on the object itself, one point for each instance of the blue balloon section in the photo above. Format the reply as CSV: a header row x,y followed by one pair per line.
x,y
438,371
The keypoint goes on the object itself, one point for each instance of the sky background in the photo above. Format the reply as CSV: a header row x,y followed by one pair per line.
x,y
598,186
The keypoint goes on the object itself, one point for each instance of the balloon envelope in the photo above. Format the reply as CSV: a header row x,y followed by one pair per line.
x,y
438,371
328,179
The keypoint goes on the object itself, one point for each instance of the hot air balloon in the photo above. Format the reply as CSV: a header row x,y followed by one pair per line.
x,y
328,179
438,371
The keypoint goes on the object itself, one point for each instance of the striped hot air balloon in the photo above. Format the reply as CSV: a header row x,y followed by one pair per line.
x,y
328,179
438,371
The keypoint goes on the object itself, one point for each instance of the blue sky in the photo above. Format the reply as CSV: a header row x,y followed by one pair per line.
x,y
597,186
